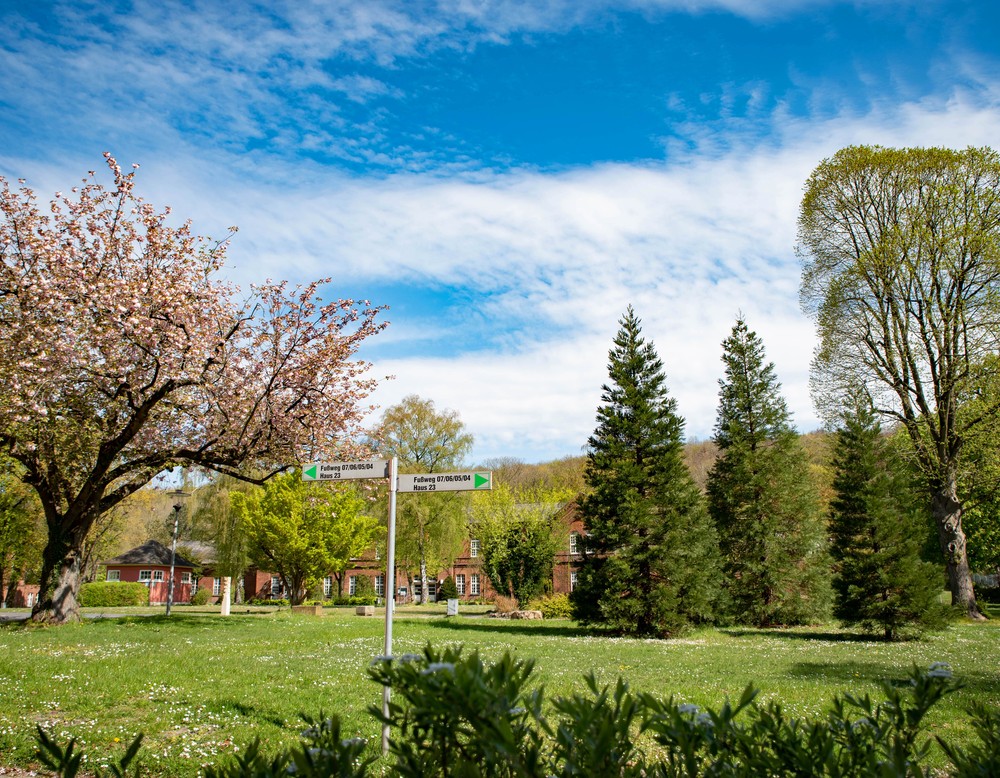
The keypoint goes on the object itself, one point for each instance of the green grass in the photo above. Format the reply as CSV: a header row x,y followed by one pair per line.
x,y
200,686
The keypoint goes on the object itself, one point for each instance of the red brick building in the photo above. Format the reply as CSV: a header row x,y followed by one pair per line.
x,y
150,564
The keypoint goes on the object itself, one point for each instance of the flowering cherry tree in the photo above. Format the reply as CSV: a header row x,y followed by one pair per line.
x,y
122,355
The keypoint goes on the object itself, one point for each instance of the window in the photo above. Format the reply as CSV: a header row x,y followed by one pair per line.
x,y
380,586
275,585
473,548
377,554
572,580
474,584
460,584
352,585
574,542
185,578
145,576
328,586
114,575
216,587
157,575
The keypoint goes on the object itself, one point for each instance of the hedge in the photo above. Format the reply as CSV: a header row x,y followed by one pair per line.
x,y
113,594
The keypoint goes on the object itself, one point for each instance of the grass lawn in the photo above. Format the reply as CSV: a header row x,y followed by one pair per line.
x,y
200,686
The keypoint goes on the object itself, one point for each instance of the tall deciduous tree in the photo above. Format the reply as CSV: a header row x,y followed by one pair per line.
x,y
654,564
20,533
901,271
517,538
761,496
121,356
304,530
877,530
430,528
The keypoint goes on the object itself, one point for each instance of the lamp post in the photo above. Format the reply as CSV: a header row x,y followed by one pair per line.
x,y
179,496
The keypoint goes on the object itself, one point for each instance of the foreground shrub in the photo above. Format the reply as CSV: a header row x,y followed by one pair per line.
x,y
454,715
113,594
554,606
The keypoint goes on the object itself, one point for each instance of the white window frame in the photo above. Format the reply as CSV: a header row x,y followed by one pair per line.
x,y
473,548
574,542
216,587
380,586
474,584
327,585
185,578
460,585
352,585
113,575
572,579
145,576
158,576
275,586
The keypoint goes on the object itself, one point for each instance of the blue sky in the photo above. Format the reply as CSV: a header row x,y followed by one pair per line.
x,y
506,176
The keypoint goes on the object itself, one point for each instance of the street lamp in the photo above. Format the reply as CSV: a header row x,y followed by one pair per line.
x,y
179,496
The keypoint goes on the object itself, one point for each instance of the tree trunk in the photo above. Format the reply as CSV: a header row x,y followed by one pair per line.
x,y
947,512
60,580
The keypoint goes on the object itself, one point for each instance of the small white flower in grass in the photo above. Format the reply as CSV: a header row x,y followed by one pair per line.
x,y
435,667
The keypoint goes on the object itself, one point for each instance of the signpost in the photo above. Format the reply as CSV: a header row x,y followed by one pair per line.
x,y
343,471
446,482
421,484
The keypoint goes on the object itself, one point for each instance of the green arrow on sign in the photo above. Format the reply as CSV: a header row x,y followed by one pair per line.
x,y
480,481
310,472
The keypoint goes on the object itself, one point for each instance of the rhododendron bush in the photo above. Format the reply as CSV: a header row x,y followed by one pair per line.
x,y
122,354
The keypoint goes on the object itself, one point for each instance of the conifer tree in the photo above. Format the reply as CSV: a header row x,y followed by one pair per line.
x,y
761,496
652,565
877,530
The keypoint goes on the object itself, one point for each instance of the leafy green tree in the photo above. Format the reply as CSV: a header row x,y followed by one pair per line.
x,y
901,272
215,519
22,533
654,568
517,538
979,474
762,498
877,529
303,530
430,528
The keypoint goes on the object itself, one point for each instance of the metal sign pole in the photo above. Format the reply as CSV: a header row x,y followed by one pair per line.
x,y
390,591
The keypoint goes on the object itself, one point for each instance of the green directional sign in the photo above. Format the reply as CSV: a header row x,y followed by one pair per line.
x,y
445,482
344,471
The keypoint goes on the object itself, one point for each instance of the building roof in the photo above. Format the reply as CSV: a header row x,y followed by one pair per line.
x,y
149,553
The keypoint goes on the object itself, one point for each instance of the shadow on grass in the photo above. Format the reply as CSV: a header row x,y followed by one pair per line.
x,y
251,712
536,628
978,684
790,633
179,620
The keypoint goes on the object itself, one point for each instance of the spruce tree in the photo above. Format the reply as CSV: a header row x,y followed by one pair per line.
x,y
652,565
877,530
762,498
